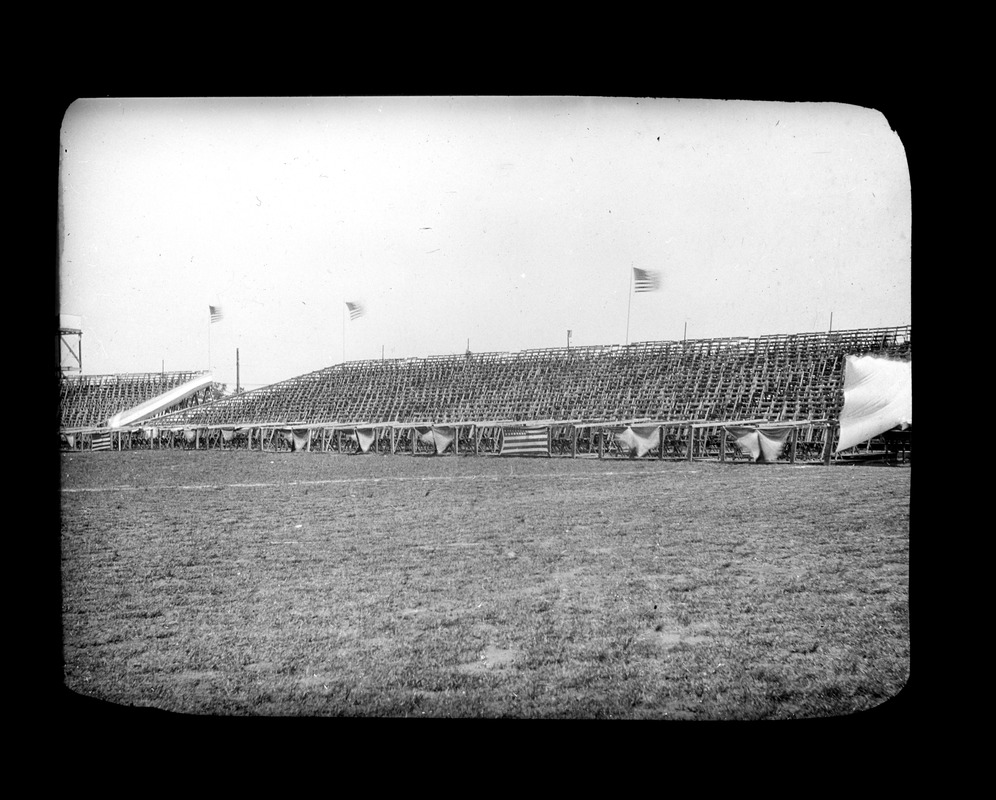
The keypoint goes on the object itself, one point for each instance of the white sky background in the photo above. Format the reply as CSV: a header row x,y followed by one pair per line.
x,y
505,221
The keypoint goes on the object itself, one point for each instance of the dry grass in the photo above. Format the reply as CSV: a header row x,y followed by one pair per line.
x,y
246,583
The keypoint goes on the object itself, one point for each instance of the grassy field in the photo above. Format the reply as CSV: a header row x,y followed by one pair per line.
x,y
249,583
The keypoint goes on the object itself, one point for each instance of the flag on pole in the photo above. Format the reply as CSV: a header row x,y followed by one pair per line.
x,y
355,310
646,280
216,315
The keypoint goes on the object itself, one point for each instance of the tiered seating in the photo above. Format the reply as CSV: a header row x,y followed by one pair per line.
x,y
89,400
778,378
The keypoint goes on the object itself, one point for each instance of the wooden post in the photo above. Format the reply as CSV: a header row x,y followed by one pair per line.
x,y
828,445
691,441
549,441
574,429
601,441
477,440
792,448
722,445
660,442
456,436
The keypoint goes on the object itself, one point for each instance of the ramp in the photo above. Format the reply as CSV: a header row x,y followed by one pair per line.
x,y
159,404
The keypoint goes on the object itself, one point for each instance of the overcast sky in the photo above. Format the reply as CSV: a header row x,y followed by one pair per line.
x,y
502,221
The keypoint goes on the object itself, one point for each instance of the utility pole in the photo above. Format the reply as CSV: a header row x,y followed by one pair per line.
x,y
236,370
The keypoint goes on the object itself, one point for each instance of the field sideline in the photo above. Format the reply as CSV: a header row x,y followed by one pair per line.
x,y
293,584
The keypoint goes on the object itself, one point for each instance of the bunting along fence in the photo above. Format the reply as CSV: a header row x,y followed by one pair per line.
x,y
640,440
760,444
438,437
297,438
754,441
365,437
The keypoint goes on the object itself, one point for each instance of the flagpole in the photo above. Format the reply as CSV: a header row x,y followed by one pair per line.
x,y
343,331
628,307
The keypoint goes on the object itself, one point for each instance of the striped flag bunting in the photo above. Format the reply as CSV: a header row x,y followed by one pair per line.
x,y
525,441
216,315
646,280
101,441
356,310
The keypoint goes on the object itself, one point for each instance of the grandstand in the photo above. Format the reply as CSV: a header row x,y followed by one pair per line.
x,y
89,401
587,399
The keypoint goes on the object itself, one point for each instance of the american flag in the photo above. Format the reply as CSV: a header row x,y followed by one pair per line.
x,y
355,310
216,315
101,441
519,441
646,280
